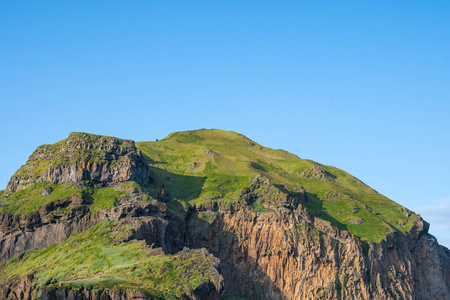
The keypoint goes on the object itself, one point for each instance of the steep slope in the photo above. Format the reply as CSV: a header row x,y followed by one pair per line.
x,y
206,167
94,217
104,160
106,255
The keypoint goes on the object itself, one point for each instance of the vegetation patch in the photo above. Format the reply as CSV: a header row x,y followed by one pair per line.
x,y
99,258
230,160
255,207
34,197
37,195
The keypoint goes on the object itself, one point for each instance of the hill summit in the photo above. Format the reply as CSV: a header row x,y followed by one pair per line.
x,y
214,167
205,214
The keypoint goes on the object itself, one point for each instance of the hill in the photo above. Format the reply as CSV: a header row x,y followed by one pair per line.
x,y
207,167
205,214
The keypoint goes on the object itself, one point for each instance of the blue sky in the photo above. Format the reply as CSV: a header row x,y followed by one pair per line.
x,y
363,86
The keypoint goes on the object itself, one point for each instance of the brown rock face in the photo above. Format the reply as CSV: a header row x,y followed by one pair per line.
x,y
284,254
24,291
162,232
280,255
82,156
42,229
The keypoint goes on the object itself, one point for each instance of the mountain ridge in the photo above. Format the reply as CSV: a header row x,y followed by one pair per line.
x,y
281,167
259,222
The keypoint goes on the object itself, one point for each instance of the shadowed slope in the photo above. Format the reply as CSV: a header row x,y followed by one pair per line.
x,y
225,161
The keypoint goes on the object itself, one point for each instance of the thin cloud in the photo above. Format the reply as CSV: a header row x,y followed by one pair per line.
x,y
438,217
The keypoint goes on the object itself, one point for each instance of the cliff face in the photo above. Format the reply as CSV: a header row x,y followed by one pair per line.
x,y
277,255
161,231
281,255
48,226
82,156
266,244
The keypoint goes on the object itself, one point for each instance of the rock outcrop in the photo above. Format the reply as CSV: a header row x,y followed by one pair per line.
x,y
162,232
47,227
102,160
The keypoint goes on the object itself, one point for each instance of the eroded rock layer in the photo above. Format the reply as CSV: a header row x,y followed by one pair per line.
x,y
280,255
82,156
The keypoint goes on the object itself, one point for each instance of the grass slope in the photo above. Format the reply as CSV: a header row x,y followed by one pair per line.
x,y
215,165
31,199
99,257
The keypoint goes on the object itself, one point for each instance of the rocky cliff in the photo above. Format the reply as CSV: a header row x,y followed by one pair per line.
x,y
282,255
82,156
269,233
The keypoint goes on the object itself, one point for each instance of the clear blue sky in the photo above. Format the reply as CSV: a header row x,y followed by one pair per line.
x,y
360,85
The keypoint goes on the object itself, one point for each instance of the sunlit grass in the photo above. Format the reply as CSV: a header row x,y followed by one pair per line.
x,y
205,166
99,257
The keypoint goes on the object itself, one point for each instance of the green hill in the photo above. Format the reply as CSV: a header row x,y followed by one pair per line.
x,y
113,219
214,166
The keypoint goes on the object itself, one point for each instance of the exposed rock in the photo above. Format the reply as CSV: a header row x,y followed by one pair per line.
x,y
277,256
82,156
161,192
208,206
317,172
94,294
260,179
47,191
263,192
283,254
335,196
301,193
406,212
39,230
357,221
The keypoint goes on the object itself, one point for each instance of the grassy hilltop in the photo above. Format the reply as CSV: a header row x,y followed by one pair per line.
x,y
205,166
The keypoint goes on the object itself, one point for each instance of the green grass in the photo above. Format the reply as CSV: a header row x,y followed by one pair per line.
x,y
105,198
209,217
99,258
255,207
205,166
31,199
